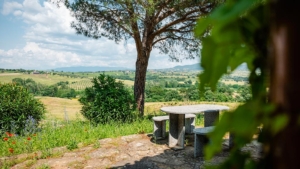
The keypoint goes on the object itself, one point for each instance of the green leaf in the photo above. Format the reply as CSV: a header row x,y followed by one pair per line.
x,y
243,54
231,10
279,122
223,15
202,25
214,61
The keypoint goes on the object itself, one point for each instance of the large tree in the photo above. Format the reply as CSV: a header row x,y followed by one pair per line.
x,y
163,24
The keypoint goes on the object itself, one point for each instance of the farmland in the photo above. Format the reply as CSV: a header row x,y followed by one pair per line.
x,y
157,83
81,80
161,85
77,83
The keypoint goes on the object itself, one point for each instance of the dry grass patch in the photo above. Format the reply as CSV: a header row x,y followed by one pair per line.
x,y
9,74
232,82
154,107
56,108
127,82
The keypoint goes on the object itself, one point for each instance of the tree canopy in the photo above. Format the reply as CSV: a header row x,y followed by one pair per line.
x,y
167,24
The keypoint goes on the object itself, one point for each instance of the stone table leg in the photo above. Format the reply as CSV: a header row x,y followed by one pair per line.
x,y
199,143
159,129
189,125
176,131
210,117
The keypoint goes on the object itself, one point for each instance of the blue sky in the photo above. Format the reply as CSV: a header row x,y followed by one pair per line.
x,y
35,34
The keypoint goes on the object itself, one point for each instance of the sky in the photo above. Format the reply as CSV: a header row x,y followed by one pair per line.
x,y
36,34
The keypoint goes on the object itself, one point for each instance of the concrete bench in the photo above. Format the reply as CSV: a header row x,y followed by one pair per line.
x,y
201,139
159,125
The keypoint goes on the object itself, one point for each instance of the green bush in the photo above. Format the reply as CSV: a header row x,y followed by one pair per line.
x,y
20,112
107,100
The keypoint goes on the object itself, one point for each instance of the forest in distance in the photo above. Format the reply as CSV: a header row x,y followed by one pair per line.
x,y
161,86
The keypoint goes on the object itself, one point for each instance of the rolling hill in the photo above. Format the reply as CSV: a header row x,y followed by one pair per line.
x,y
193,67
89,69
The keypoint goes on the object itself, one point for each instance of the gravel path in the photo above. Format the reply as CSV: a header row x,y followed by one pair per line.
x,y
131,152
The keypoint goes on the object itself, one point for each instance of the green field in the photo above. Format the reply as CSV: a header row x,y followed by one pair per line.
x,y
79,83
39,78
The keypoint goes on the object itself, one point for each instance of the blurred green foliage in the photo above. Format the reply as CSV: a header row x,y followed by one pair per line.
x,y
237,32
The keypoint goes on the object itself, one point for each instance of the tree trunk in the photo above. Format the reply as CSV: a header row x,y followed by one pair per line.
x,y
140,80
285,83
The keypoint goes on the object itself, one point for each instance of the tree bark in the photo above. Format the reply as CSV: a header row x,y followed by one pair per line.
x,y
285,82
140,79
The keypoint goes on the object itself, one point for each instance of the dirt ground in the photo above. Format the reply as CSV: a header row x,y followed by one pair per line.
x,y
131,152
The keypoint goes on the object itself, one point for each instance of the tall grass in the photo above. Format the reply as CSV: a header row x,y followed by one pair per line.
x,y
59,133
54,132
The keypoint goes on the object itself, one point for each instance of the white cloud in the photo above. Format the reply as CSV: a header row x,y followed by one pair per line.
x,y
32,6
34,56
51,42
18,13
9,7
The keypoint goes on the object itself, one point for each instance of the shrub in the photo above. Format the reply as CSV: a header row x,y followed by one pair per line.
x,y
17,108
107,100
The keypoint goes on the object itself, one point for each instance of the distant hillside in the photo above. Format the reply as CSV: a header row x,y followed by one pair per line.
x,y
189,67
193,67
184,68
242,67
89,69
97,68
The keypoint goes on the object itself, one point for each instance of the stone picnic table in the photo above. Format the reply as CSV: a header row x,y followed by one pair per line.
x,y
177,120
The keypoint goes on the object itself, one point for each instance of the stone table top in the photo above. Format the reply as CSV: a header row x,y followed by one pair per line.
x,y
193,109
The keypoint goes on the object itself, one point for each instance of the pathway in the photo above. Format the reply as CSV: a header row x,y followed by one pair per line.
x,y
130,152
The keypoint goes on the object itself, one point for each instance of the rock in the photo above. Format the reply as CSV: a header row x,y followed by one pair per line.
x,y
160,160
103,152
131,138
121,157
99,163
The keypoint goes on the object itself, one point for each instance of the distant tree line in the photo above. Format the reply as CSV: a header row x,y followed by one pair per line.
x,y
235,78
59,89
19,71
223,93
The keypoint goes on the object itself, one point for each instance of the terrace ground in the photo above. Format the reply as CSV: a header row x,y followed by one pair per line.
x,y
133,152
